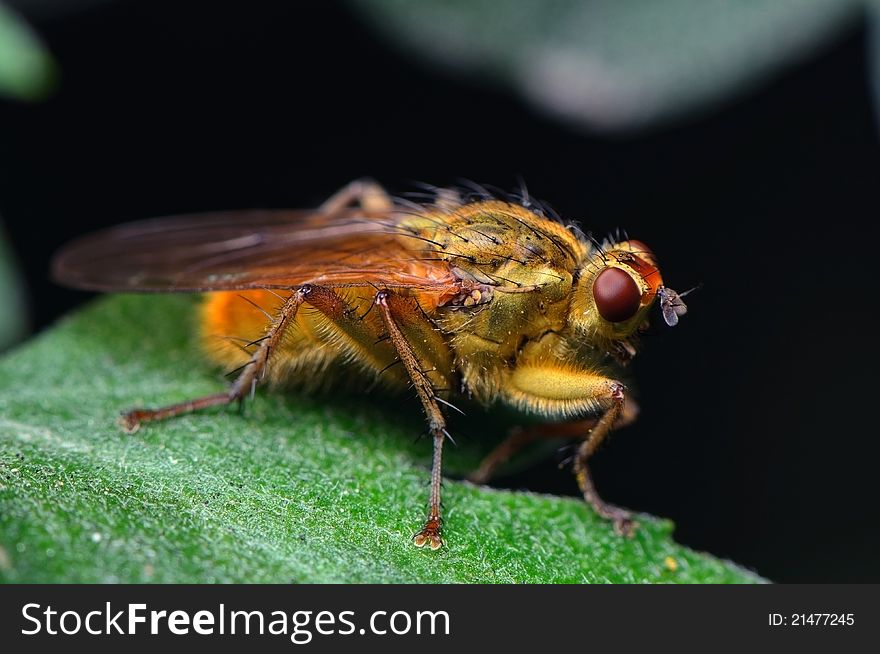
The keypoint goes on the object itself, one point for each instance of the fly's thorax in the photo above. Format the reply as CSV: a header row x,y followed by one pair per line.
x,y
497,320
492,236
515,269
615,290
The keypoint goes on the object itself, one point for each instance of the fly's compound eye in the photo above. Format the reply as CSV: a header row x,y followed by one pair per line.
x,y
617,295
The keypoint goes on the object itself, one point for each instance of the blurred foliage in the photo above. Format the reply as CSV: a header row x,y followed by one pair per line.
x,y
613,64
13,321
295,490
873,14
26,69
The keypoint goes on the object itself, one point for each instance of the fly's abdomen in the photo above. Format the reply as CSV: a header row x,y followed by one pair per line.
x,y
318,349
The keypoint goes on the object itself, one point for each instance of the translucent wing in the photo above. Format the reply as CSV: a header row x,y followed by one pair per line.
x,y
253,249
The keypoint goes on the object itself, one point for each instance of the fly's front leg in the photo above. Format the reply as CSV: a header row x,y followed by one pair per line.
x,y
251,373
621,518
398,313
364,193
560,391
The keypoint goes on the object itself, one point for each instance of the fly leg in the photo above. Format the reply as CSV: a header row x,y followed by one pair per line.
x,y
251,373
521,437
555,390
621,518
365,193
517,439
397,312
425,356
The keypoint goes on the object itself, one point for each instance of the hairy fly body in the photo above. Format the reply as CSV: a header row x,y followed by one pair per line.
x,y
464,293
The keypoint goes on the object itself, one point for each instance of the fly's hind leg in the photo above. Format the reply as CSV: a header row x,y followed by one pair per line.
x,y
251,373
559,391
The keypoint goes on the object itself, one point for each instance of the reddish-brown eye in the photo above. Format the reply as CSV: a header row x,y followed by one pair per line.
x,y
617,295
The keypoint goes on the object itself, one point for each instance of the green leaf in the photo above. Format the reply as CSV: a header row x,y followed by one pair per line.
x,y
615,64
26,69
297,489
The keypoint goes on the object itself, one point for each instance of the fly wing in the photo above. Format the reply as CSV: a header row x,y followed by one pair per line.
x,y
252,249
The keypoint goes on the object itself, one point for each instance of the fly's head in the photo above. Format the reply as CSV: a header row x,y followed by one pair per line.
x,y
618,286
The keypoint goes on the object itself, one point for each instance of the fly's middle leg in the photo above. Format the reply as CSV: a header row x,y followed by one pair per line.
x,y
395,326
401,315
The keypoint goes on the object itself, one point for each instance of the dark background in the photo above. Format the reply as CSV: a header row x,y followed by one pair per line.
x,y
756,435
